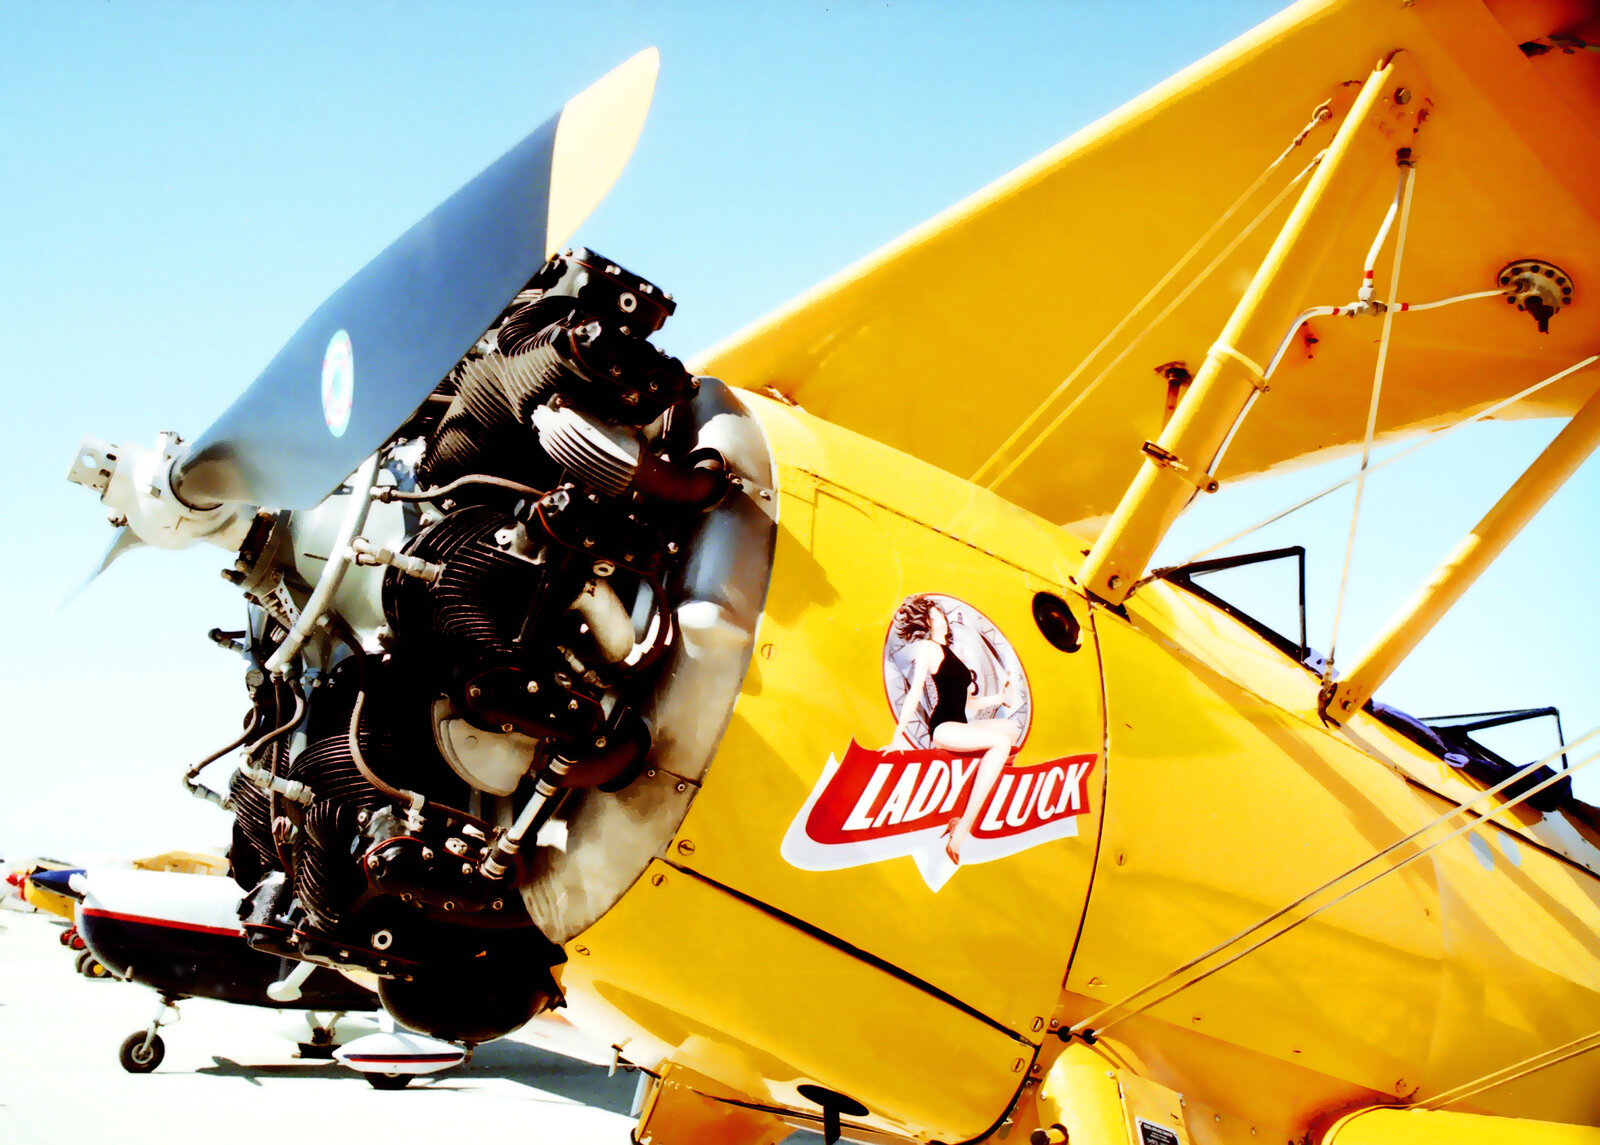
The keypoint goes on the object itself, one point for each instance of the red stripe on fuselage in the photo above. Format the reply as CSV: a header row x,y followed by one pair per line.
x,y
167,923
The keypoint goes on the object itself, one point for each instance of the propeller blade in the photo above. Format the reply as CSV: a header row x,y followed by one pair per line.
x,y
372,352
122,541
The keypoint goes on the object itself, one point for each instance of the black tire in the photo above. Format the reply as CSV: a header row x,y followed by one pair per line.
x,y
388,1080
135,1061
94,968
81,963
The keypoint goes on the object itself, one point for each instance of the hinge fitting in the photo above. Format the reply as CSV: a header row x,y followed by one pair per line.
x,y
1169,460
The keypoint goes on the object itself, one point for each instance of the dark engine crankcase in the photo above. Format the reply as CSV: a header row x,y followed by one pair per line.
x,y
459,983
476,994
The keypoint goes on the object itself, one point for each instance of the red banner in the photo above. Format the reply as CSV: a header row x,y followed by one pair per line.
x,y
878,805
879,794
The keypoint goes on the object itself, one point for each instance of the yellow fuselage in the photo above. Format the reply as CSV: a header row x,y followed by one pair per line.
x,y
1215,797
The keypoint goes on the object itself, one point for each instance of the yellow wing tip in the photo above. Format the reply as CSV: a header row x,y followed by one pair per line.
x,y
598,130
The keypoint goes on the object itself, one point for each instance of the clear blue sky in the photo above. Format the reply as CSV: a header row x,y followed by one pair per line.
x,y
185,182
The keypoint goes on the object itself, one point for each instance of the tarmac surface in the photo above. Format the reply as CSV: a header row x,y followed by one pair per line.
x,y
231,1075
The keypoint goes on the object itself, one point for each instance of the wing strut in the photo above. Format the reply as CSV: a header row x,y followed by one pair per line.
x,y
1230,381
1476,552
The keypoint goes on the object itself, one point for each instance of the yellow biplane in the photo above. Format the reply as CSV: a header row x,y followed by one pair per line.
x,y
826,744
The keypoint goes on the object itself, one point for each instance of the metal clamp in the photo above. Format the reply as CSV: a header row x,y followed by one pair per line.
x,y
1169,460
1258,377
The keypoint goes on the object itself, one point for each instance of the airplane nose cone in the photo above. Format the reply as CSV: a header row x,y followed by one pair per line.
x,y
61,882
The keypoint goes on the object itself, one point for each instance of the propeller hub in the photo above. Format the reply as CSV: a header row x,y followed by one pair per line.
x,y
136,484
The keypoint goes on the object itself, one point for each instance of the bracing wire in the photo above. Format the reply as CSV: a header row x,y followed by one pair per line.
x,y
1521,1069
1088,390
1322,114
1429,439
1260,924
1407,178
1279,933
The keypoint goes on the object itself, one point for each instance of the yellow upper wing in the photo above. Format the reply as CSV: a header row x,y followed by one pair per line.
x,y
945,342
184,863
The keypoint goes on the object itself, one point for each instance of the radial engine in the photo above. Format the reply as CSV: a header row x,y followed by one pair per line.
x,y
487,673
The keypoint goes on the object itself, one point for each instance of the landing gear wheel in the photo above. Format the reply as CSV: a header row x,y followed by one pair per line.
x,y
82,962
94,968
136,1057
388,1080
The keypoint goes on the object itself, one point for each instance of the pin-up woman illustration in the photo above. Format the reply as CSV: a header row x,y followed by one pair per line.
x,y
955,722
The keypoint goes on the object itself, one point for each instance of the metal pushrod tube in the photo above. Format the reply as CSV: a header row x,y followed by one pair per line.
x,y
504,851
339,559
1476,552
1229,380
